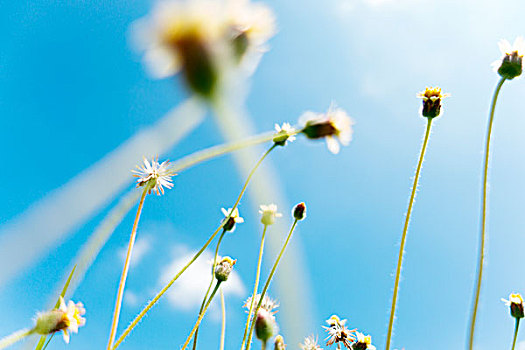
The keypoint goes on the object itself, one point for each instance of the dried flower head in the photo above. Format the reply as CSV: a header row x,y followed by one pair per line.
x,y
510,65
310,343
431,97
233,219
335,126
268,303
155,175
284,133
268,214
515,303
363,342
67,318
338,333
224,268
278,343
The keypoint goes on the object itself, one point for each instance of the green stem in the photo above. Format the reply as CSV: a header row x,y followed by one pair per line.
x,y
483,218
255,287
15,337
516,332
201,315
267,284
210,285
263,345
223,323
167,286
404,235
123,277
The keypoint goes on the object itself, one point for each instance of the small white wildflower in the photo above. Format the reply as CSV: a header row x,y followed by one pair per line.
x,y
431,97
335,126
268,303
284,133
310,343
268,214
156,175
515,303
510,65
338,333
363,342
235,218
67,318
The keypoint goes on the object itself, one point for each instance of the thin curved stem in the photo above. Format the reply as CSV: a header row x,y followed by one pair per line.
x,y
123,277
267,284
170,283
255,287
223,321
15,337
201,316
483,218
404,235
516,332
210,285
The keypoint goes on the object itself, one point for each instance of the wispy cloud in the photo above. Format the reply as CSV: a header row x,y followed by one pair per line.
x,y
140,249
521,345
187,293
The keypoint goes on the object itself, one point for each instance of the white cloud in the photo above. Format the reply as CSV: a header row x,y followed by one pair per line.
x,y
131,299
140,249
521,345
186,294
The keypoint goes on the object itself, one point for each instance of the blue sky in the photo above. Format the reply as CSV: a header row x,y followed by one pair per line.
x,y
72,90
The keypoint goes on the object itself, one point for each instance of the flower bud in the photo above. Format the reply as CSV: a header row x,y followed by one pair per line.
x,y
234,218
515,303
510,65
431,102
224,268
299,211
279,343
265,325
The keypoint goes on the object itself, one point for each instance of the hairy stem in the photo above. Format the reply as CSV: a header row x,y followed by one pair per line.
x,y
404,235
483,218
255,287
201,315
267,284
210,285
123,277
15,337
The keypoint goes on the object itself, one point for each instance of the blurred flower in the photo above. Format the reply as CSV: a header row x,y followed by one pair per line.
x,y
268,214
224,268
201,38
284,134
334,125
234,218
250,25
510,65
515,303
65,318
338,333
363,342
155,175
310,343
267,303
279,343
431,101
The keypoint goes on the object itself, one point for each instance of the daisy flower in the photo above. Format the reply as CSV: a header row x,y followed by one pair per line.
x,y
510,65
67,318
284,133
310,343
155,175
363,342
338,333
431,97
335,126
234,218
269,213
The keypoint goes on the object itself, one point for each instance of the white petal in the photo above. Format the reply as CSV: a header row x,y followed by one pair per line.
x,y
333,145
161,63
